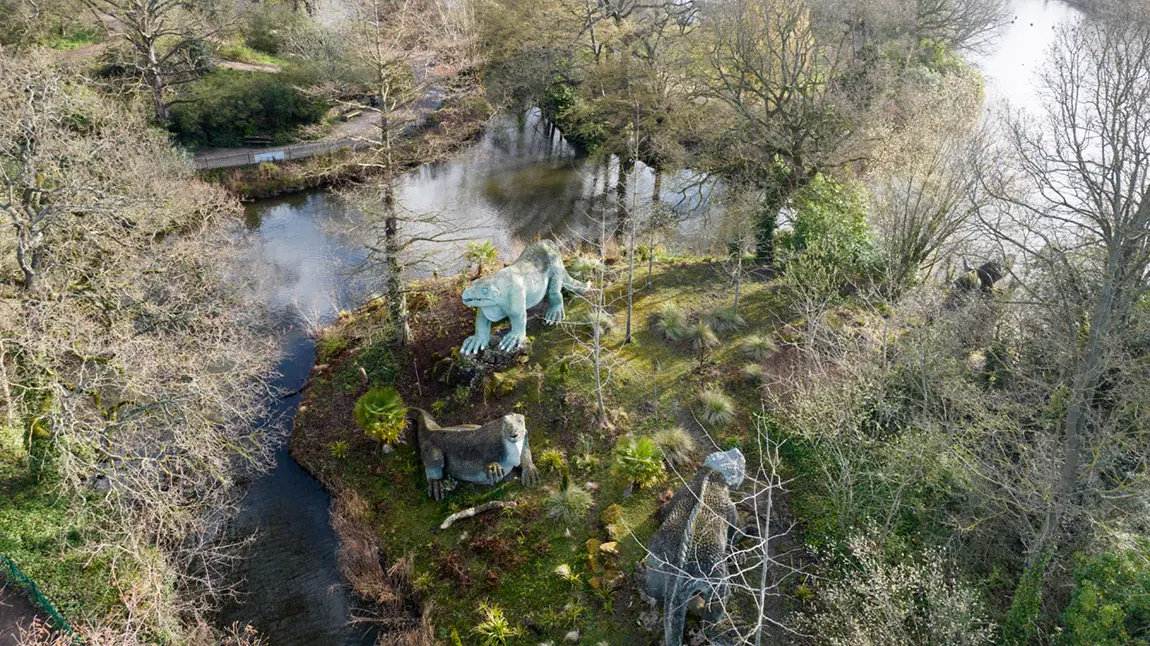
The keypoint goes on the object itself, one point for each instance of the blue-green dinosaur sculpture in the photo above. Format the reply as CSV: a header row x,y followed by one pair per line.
x,y
509,292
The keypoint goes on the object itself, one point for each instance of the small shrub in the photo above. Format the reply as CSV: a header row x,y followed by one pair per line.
x,y
874,598
381,414
480,255
725,321
754,372
494,629
702,337
1110,604
604,319
338,449
585,267
551,460
671,322
569,505
717,407
677,445
639,460
758,347
329,346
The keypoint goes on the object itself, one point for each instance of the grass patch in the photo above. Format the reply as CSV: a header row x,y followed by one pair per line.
x,y
46,535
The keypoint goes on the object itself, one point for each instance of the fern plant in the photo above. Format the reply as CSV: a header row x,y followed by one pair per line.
x,y
551,460
640,460
381,414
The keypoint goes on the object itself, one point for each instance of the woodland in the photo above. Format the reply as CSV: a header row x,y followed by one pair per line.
x,y
922,316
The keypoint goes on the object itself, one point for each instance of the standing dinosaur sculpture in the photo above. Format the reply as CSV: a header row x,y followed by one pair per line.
x,y
688,553
509,292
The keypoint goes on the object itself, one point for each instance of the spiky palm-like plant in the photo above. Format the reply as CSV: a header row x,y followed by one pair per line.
x,y
640,460
677,445
381,414
725,321
671,322
717,407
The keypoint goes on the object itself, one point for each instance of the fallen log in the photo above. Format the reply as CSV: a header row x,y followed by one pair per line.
x,y
475,511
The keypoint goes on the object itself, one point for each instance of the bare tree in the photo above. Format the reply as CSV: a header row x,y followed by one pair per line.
x,y
778,76
133,357
167,36
1074,204
385,34
923,184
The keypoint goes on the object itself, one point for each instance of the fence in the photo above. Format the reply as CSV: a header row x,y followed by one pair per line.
x,y
284,153
12,572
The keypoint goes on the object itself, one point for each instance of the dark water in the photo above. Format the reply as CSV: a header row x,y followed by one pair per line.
x,y
519,182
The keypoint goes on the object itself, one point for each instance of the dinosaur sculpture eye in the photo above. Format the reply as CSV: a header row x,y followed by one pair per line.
x,y
486,290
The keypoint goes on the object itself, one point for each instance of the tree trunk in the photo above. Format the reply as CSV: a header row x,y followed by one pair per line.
x,y
396,295
651,224
766,222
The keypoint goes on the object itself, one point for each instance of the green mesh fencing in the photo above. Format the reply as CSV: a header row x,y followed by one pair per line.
x,y
14,575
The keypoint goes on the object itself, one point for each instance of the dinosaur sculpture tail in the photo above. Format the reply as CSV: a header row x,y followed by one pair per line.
x,y
675,611
572,285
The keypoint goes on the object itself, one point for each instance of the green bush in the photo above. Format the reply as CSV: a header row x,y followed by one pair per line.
x,y
228,105
266,25
831,243
1110,604
639,460
381,414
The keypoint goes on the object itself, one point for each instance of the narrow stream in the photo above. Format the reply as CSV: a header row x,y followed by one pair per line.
x,y
519,182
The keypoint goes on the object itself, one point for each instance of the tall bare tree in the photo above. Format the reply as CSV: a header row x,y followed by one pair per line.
x,y
132,356
167,36
1073,202
778,76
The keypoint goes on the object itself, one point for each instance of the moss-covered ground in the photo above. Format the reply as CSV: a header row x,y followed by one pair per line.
x,y
49,537
509,557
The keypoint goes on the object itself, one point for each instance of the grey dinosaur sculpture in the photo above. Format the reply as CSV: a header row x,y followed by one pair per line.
x,y
688,553
509,292
481,454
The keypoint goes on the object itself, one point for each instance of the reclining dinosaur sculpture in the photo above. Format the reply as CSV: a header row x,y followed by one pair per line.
x,y
688,553
482,454
509,292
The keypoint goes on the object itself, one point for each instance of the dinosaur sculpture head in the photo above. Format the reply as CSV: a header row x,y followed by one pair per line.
x,y
514,428
483,292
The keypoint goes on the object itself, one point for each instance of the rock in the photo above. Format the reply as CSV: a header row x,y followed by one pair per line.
x,y
731,464
591,486
571,637
388,449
